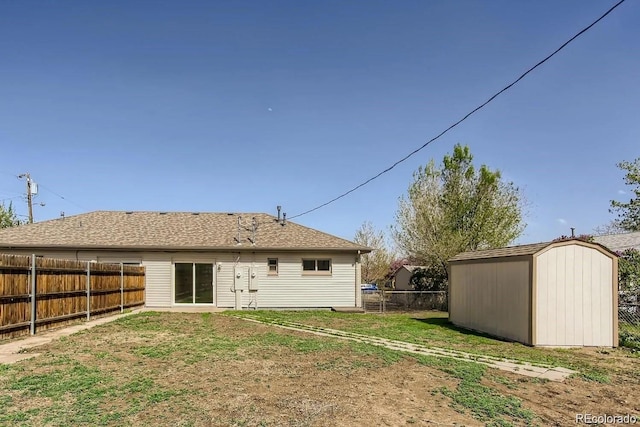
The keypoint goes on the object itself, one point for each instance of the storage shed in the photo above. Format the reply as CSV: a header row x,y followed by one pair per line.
x,y
545,294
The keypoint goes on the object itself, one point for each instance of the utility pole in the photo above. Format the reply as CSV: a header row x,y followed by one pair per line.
x,y
31,190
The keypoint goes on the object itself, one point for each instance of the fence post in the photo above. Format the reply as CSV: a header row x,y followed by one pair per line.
x,y
88,290
121,287
32,327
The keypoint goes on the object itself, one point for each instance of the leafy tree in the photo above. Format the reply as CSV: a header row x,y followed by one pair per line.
x,y
456,208
629,213
629,270
8,217
431,278
375,265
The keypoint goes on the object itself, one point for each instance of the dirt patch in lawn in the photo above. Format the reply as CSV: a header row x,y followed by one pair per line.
x,y
213,370
557,404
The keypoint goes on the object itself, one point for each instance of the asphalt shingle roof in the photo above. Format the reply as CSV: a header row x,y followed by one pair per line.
x,y
501,252
171,230
620,242
512,251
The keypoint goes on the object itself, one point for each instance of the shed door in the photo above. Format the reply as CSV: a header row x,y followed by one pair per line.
x,y
574,305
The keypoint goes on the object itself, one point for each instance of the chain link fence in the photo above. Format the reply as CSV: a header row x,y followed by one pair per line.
x,y
629,318
382,301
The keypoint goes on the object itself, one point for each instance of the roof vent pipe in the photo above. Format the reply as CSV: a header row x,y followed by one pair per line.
x,y
279,208
284,218
573,232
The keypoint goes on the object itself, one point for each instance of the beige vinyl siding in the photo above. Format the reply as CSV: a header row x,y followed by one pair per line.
x,y
290,288
293,289
492,297
574,297
158,271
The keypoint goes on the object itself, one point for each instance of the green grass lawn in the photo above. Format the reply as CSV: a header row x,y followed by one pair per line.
x,y
204,369
433,329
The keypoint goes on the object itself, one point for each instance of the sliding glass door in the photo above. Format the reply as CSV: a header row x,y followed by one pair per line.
x,y
193,283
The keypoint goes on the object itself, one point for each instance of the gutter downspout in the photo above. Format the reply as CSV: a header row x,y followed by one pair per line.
x,y
358,279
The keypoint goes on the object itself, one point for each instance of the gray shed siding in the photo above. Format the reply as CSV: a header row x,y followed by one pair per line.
x,y
492,298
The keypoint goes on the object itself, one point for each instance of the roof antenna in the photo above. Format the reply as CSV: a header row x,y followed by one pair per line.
x,y
279,208
254,227
573,232
238,237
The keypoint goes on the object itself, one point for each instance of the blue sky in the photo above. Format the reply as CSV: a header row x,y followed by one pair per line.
x,y
241,106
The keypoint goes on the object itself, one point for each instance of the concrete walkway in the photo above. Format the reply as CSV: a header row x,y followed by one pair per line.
x,y
523,368
12,352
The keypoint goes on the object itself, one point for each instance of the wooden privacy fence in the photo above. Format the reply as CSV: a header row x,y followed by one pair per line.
x,y
40,292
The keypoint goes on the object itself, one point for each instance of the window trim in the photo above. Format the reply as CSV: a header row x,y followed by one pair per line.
x,y
317,272
269,272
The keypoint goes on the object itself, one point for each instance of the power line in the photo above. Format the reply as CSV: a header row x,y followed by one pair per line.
x,y
10,198
587,28
62,197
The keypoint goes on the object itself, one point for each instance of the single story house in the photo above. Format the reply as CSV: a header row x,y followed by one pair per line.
x,y
229,260
620,242
561,293
401,277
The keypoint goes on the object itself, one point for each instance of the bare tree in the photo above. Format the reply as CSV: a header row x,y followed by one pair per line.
x,y
375,265
610,228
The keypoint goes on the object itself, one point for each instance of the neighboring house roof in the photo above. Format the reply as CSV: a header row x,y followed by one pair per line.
x,y
171,230
513,251
620,242
409,268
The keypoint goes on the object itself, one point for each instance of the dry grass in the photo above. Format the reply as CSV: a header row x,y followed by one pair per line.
x,y
214,370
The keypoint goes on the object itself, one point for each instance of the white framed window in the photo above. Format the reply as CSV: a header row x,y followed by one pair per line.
x,y
272,266
316,266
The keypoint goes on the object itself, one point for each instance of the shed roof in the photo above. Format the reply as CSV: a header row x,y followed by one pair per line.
x,y
520,250
501,252
171,230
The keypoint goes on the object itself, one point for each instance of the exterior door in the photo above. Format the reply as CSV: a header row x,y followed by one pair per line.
x,y
193,283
